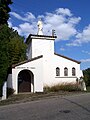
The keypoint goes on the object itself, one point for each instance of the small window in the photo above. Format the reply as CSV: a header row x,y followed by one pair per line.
x,y
57,71
73,71
65,71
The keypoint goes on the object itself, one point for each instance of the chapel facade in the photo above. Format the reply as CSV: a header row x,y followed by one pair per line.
x,y
43,66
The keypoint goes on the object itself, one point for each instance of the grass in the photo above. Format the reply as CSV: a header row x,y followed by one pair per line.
x,y
64,87
27,97
55,90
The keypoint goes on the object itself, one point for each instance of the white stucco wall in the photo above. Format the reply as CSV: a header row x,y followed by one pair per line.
x,y
9,81
35,67
42,46
29,50
45,46
50,66
44,69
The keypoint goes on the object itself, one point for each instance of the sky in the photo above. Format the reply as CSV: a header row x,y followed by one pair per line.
x,y
69,18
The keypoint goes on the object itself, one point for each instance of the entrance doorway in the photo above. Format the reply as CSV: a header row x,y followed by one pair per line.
x,y
25,81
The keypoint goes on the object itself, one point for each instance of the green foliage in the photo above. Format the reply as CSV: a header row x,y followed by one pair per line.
x,y
3,53
86,73
0,90
12,46
4,11
17,48
12,50
64,87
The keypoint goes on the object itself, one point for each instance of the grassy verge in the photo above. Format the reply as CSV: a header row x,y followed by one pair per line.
x,y
53,91
22,98
64,87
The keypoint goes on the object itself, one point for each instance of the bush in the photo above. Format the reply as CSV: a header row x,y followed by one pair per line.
x,y
64,87
0,90
86,74
10,91
1,87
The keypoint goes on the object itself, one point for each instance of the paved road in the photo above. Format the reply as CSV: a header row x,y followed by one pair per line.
x,y
75,107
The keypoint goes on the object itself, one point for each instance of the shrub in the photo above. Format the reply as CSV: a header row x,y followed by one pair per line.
x,y
10,91
64,87
86,74
0,90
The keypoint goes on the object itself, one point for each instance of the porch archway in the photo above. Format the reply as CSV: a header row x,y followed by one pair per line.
x,y
25,81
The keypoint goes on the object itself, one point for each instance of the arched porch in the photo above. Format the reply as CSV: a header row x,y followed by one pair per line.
x,y
25,81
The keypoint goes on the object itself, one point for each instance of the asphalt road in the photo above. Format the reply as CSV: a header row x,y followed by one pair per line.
x,y
75,107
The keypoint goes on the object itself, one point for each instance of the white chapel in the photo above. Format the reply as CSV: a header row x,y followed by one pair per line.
x,y
43,67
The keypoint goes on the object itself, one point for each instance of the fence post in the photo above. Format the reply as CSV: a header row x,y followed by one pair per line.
x,y
4,91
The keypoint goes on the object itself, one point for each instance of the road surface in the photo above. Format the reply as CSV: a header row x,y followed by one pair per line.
x,y
76,107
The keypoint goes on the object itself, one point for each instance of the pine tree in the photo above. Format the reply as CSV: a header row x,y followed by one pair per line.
x,y
12,46
17,48
4,11
12,50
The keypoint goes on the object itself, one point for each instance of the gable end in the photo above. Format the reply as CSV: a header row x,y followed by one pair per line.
x,y
26,61
67,58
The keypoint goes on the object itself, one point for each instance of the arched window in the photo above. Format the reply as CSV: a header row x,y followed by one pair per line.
x,y
65,71
57,71
73,71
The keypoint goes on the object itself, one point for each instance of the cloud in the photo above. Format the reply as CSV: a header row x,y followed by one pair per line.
x,y
64,11
10,24
27,17
85,60
81,37
62,49
25,29
62,20
86,52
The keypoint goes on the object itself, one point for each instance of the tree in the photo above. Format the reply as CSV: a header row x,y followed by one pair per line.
x,y
16,48
12,46
12,50
86,73
3,53
4,35
4,11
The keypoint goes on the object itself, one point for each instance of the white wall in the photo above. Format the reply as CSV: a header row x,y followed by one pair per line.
x,y
9,81
36,68
41,46
44,69
50,66
29,50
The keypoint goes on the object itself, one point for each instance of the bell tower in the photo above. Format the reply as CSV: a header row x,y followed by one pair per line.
x,y
40,44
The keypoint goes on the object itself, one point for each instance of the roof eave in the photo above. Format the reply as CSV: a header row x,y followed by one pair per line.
x,y
68,58
38,36
26,61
